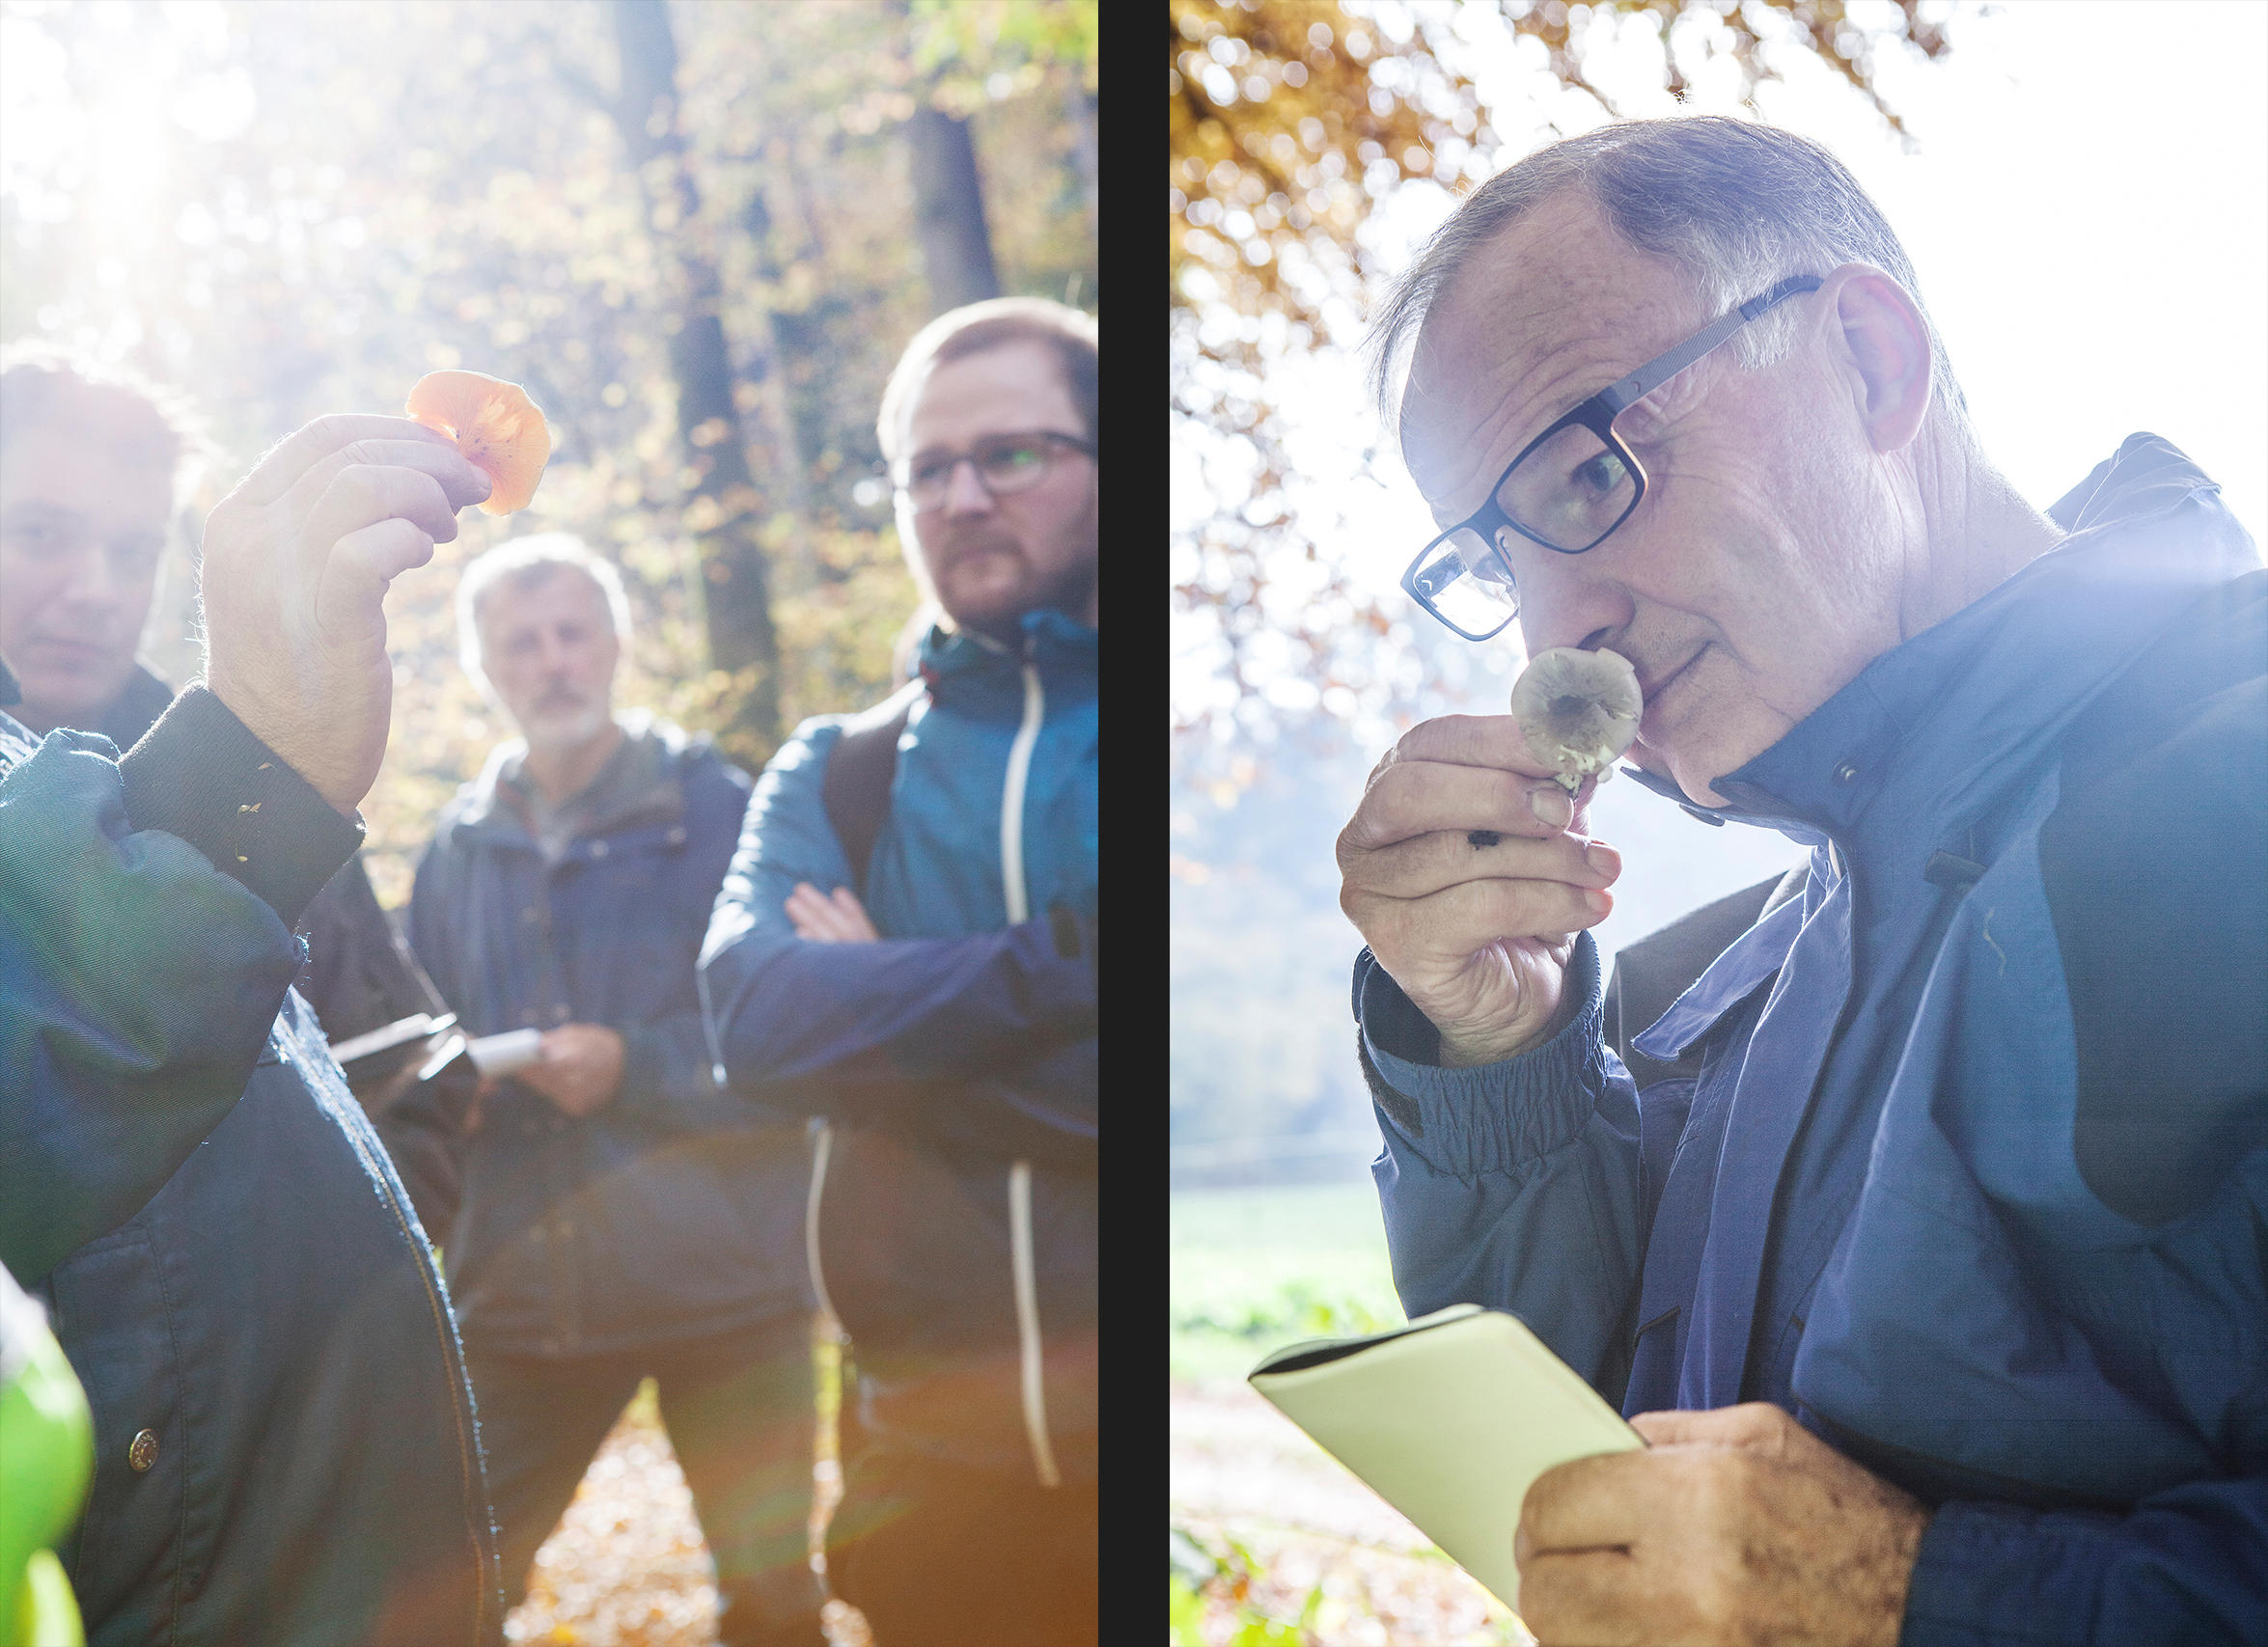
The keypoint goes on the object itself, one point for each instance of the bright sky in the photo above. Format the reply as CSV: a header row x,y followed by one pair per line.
x,y
2089,216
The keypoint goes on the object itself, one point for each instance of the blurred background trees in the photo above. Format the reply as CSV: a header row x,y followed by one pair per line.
x,y
682,226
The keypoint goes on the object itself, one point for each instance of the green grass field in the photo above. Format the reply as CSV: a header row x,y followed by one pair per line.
x,y
1256,1269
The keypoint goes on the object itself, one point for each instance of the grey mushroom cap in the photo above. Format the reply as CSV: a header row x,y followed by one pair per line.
x,y
1577,709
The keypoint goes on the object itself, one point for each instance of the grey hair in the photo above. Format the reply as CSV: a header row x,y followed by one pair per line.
x,y
1736,204
521,562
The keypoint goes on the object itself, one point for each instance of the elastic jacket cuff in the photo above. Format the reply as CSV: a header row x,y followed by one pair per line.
x,y
202,775
1495,1117
1992,1574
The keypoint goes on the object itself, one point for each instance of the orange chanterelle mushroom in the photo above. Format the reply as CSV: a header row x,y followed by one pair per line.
x,y
498,429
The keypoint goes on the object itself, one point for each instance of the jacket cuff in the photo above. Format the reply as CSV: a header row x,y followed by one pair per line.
x,y
1988,1575
1497,1118
202,775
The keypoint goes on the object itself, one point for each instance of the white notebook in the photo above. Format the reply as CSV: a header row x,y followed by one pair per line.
x,y
1449,1418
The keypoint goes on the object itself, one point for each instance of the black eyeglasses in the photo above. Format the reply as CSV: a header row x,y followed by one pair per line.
x,y
1568,490
1005,464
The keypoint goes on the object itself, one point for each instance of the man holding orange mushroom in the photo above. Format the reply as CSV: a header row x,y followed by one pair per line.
x,y
286,1448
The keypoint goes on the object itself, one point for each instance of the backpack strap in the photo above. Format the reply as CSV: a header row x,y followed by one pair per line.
x,y
855,787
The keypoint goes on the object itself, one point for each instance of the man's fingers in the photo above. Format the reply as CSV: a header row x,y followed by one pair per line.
x,y
816,916
857,925
364,494
351,592
1751,1424
1468,740
463,485
1465,919
1582,1599
1413,798
1590,1503
1421,867
279,469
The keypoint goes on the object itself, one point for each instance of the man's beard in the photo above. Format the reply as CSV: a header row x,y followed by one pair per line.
x,y
566,729
1068,589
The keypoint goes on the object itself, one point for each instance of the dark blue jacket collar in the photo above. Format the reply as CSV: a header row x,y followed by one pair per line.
x,y
1948,717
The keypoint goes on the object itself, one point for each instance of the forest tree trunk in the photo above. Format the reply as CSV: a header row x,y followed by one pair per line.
x,y
725,510
949,211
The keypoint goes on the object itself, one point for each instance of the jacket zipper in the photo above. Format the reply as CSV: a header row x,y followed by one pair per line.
x,y
1030,1375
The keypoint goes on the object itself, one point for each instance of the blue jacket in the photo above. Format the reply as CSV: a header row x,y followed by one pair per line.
x,y
1974,1174
959,1049
672,1211
286,1448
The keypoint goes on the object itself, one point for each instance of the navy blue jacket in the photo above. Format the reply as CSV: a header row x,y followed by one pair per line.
x,y
959,1051
1974,1174
674,1210
286,1449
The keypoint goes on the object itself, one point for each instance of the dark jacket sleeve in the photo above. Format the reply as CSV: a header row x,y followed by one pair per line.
x,y
1514,1185
900,1026
138,981
2188,1568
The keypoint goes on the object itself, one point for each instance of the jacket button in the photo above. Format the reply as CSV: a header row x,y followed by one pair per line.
x,y
676,836
142,1453
1845,773
598,849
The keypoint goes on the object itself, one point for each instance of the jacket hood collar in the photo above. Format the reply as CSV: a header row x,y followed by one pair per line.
x,y
667,747
1976,694
1063,649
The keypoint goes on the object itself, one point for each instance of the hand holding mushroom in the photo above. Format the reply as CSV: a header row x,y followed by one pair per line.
x,y
1461,867
296,563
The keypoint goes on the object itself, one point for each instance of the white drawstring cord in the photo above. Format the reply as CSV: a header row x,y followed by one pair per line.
x,y
1019,1207
811,1220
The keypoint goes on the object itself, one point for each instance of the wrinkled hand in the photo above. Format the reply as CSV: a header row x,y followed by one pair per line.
x,y
296,563
1736,1525
840,918
581,1069
1475,928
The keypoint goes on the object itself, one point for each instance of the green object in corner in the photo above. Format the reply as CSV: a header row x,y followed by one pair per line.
x,y
46,1458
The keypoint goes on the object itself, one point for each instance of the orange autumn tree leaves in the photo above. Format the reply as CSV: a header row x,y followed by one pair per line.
x,y
499,429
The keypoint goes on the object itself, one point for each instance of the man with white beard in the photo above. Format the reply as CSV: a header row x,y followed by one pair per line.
x,y
621,1218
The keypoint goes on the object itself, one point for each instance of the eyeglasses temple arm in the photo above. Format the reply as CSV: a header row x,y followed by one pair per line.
x,y
1662,368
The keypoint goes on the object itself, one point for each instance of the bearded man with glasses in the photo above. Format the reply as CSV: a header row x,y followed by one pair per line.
x,y
905,948
1909,1204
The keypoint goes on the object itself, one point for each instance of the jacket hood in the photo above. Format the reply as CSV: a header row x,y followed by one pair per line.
x,y
1967,700
662,756
981,676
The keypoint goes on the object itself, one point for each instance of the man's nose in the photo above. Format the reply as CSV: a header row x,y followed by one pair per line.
x,y
1566,602
94,581
964,490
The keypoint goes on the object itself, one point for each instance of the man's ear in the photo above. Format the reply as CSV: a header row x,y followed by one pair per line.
x,y
1884,347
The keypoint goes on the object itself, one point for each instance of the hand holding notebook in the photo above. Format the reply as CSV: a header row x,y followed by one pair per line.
x,y
1451,1419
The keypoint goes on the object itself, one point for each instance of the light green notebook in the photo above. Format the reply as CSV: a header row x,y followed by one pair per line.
x,y
1449,1418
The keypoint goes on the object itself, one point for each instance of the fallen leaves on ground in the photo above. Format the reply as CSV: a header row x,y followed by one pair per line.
x,y
627,1567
